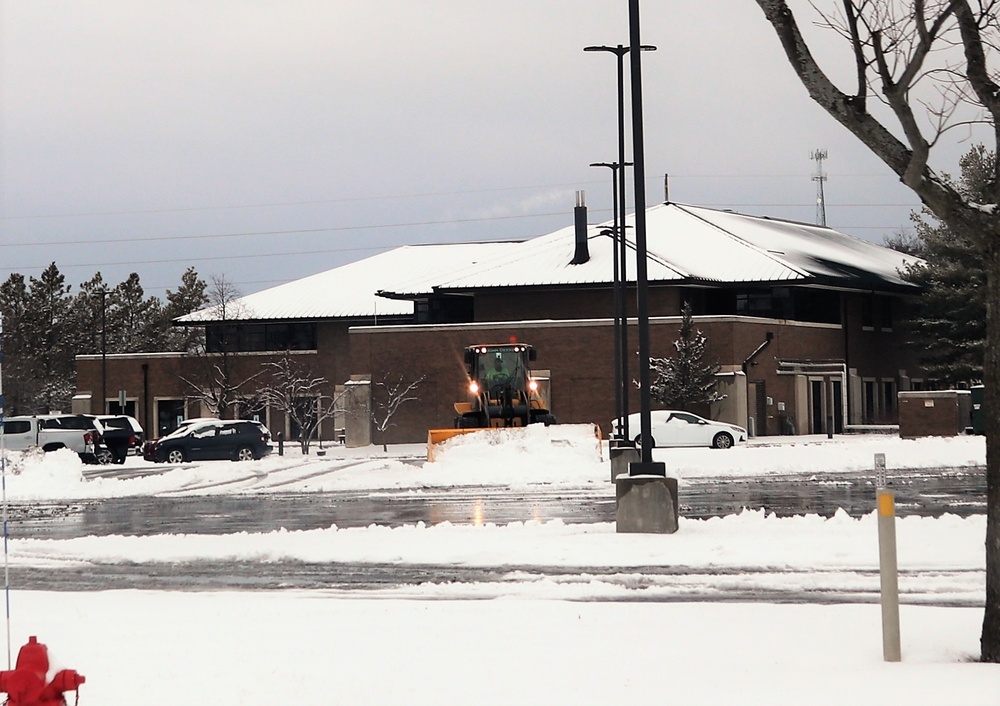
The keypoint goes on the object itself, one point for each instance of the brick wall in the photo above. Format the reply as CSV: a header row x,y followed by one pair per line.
x,y
579,353
580,356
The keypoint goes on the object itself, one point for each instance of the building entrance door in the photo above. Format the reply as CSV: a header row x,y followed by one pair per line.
x,y
758,395
826,406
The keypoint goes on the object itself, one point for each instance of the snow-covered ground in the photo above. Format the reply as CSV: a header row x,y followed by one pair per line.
x,y
674,638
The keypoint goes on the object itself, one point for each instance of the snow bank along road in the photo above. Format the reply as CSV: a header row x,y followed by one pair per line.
x,y
749,556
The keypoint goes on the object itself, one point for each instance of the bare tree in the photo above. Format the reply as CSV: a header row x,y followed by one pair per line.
x,y
929,67
388,395
220,374
301,395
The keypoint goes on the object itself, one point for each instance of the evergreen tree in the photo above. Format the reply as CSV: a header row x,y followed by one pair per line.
x,y
49,342
88,306
948,326
189,297
17,387
133,319
686,379
45,329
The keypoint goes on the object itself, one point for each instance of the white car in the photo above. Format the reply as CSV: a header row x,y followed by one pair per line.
x,y
675,428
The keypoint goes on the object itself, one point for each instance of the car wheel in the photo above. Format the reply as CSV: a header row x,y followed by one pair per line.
x,y
104,457
722,440
175,456
638,442
244,453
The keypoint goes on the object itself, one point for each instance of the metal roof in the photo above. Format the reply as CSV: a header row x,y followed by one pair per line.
x,y
349,291
692,244
685,244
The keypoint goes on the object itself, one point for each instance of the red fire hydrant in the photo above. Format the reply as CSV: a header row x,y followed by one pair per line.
x,y
25,685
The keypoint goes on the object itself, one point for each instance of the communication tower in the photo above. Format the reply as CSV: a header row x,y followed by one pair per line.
x,y
819,156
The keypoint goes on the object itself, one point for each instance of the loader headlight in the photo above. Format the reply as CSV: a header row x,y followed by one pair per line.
x,y
474,387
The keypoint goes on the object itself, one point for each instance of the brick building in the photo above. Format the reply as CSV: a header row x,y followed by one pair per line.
x,y
800,317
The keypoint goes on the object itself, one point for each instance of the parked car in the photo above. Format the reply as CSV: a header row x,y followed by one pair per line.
x,y
150,445
676,428
119,435
50,432
238,440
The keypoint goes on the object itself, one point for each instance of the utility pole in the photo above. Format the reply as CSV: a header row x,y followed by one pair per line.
x,y
104,353
819,156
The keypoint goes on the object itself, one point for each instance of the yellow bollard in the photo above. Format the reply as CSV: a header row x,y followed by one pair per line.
x,y
885,502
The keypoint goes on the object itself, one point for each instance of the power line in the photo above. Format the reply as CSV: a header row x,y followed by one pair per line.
x,y
412,224
293,231
390,197
279,204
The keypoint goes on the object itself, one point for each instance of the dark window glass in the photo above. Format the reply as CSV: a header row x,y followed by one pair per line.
x,y
19,426
260,337
817,305
443,310
883,312
868,311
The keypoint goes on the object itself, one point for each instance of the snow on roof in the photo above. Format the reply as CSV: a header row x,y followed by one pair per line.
x,y
816,251
684,244
350,290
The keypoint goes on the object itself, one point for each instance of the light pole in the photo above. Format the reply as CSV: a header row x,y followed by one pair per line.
x,y
617,234
104,352
620,51
646,466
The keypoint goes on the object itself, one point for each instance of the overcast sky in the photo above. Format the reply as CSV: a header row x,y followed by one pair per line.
x,y
266,140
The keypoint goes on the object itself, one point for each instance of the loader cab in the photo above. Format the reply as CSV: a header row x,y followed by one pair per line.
x,y
501,391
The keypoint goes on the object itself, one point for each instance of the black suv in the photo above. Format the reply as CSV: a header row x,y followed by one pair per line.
x,y
119,435
238,440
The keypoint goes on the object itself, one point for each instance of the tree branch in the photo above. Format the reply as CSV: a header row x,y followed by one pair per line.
x,y
908,162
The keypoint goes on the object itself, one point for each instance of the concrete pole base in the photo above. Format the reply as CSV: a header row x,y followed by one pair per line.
x,y
646,504
621,457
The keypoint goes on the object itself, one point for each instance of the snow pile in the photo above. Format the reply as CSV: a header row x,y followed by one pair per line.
x,y
33,475
751,538
784,455
562,454
560,457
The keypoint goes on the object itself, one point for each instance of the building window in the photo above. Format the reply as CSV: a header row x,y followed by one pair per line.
x,y
876,312
868,312
883,313
819,306
790,303
260,337
252,408
879,401
443,310
888,399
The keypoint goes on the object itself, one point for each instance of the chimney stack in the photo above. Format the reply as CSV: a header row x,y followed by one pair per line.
x,y
582,253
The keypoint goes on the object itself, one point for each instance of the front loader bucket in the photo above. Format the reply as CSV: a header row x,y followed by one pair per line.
x,y
555,435
436,437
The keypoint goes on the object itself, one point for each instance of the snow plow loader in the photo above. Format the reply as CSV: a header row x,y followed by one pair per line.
x,y
501,393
